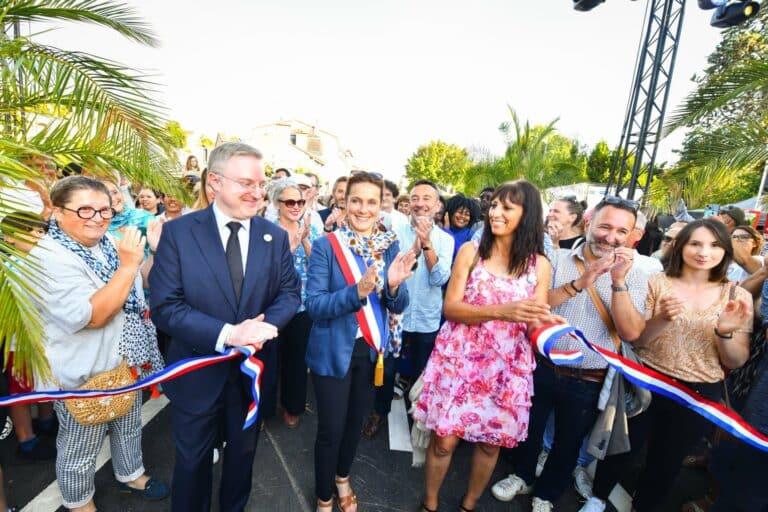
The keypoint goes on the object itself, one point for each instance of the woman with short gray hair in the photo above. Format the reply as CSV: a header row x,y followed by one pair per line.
x,y
89,288
292,216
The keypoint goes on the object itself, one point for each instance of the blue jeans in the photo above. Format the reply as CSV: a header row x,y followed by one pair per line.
x,y
574,402
585,459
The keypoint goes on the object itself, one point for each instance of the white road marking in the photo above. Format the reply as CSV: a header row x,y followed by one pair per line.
x,y
303,500
49,500
399,434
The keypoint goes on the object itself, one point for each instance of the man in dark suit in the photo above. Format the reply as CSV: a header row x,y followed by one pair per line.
x,y
221,278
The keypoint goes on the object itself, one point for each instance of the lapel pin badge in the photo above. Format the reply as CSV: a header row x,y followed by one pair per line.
x,y
267,237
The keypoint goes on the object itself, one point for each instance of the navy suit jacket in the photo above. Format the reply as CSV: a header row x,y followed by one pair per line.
x,y
332,303
193,297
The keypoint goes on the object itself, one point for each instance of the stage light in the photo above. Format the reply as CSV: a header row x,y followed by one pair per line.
x,y
586,5
734,13
711,4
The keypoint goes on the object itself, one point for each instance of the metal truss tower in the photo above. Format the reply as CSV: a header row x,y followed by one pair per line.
x,y
648,102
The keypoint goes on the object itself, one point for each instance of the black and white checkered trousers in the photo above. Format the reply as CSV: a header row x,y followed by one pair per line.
x,y
78,445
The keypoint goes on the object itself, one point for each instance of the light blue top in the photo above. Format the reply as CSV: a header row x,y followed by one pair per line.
x,y
425,286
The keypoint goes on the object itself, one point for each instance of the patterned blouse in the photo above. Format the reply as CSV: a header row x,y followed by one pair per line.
x,y
300,261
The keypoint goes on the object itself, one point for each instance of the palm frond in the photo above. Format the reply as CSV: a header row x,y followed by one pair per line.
x,y
117,16
750,77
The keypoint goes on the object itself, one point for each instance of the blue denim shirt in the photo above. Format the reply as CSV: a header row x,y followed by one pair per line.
x,y
425,286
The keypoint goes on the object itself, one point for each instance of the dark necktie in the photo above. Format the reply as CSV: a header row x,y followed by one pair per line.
x,y
235,258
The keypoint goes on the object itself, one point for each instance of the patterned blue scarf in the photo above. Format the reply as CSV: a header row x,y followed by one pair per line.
x,y
134,303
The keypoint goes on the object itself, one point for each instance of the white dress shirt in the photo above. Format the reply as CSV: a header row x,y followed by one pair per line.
x,y
244,237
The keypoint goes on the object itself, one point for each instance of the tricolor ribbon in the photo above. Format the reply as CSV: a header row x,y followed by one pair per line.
x,y
251,367
369,317
543,340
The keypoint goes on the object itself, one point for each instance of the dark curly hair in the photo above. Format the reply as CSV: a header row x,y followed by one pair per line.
x,y
460,201
528,238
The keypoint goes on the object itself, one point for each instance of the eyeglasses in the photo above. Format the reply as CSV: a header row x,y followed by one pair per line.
x,y
86,212
374,175
620,201
741,238
667,239
245,185
293,203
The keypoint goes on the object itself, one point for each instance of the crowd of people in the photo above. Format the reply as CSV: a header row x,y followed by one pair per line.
x,y
371,290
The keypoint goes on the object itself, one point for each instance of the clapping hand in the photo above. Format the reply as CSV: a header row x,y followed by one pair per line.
x,y
423,226
154,230
333,217
527,311
554,229
367,283
670,307
734,315
400,270
253,332
624,257
130,250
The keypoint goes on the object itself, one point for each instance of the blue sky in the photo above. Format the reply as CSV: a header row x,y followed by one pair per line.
x,y
389,75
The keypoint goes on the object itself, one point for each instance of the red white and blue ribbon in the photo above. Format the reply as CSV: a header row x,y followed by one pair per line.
x,y
251,367
369,317
544,338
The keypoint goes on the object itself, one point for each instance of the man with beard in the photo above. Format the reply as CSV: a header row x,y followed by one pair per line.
x,y
572,391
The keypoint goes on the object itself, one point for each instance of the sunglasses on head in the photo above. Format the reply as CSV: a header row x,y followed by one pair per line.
x,y
569,198
292,203
620,201
374,175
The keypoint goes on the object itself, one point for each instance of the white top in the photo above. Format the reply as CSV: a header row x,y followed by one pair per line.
x,y
16,196
75,352
647,265
224,232
394,220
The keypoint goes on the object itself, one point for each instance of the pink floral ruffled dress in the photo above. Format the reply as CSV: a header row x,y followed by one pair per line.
x,y
479,379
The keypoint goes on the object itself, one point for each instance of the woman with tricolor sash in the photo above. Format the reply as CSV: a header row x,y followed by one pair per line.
x,y
698,324
355,294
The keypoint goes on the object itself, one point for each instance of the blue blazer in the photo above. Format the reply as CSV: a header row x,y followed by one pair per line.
x,y
332,303
193,296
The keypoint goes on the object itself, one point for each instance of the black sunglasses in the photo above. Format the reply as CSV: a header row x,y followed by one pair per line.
x,y
569,198
292,203
620,201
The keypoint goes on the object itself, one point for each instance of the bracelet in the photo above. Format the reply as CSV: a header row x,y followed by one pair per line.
x,y
624,288
723,336
567,291
573,285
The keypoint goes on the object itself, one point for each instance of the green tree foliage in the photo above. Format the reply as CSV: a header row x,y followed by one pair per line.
x,y
727,116
535,153
599,163
73,107
440,162
177,134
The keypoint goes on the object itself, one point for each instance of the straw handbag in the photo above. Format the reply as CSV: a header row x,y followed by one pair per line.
x,y
94,411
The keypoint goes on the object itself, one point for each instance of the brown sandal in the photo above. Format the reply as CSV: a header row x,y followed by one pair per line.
x,y
348,500
324,504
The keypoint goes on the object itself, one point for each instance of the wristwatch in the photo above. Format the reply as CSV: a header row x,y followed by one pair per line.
x,y
426,248
620,288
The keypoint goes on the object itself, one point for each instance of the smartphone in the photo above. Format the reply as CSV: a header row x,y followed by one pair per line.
x,y
711,210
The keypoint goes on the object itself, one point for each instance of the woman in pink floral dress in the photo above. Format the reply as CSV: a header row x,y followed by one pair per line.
x,y
478,382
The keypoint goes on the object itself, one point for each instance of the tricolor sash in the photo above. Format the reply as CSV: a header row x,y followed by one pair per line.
x,y
369,317
544,338
251,367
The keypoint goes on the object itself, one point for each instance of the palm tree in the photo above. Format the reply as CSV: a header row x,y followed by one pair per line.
x,y
72,107
533,153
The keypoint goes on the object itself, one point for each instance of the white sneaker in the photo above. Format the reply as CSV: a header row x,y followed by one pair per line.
x,y
539,505
540,463
582,482
593,505
508,488
216,455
